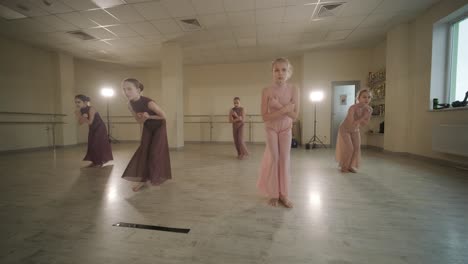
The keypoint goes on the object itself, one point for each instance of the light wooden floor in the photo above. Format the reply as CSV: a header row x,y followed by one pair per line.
x,y
396,210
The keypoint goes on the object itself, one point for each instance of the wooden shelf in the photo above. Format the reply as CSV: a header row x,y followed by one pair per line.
x,y
374,134
376,82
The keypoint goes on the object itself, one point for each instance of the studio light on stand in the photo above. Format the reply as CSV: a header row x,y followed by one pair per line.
x,y
315,97
108,93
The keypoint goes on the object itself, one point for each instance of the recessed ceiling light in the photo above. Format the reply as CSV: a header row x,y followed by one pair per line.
x,y
108,3
313,3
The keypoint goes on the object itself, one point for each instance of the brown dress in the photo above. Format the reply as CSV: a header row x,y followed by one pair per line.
x,y
99,148
151,161
238,132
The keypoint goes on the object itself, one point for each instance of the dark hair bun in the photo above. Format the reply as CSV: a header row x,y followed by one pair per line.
x,y
135,82
83,98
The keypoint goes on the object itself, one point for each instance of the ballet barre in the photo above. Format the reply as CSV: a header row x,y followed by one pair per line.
x,y
26,113
211,120
250,122
53,123
30,122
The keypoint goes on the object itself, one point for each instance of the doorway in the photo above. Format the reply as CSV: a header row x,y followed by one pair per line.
x,y
343,96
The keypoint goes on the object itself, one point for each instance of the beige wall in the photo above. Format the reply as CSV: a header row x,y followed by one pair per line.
x,y
378,57
172,90
419,82
320,69
209,90
398,92
29,82
67,132
91,76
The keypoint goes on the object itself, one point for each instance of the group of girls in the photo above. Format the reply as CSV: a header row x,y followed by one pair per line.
x,y
279,108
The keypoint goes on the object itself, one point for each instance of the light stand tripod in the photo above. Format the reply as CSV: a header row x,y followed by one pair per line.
x,y
315,140
111,138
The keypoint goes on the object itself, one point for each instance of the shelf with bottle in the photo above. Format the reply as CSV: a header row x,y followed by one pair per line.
x,y
376,78
378,91
378,110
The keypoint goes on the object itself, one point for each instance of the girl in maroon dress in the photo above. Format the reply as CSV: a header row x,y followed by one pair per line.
x,y
99,148
151,162
237,118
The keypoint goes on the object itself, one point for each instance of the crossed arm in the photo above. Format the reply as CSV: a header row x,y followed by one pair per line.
x,y
143,116
364,120
85,118
291,109
234,117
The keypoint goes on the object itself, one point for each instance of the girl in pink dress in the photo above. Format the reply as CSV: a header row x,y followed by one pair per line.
x,y
237,118
151,161
99,149
280,107
348,146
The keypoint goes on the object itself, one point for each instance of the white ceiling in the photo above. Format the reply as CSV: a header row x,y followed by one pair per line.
x,y
131,32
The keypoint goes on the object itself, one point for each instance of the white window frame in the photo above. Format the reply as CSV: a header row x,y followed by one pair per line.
x,y
449,91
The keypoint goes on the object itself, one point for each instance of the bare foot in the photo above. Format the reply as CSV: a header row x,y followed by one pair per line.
x,y
286,202
138,186
241,157
92,165
344,170
273,202
352,170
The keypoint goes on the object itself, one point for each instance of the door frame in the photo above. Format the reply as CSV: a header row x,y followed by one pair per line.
x,y
357,87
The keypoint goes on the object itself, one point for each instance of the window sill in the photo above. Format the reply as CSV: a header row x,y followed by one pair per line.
x,y
449,109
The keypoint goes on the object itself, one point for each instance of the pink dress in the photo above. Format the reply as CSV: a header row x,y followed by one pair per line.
x,y
274,170
348,146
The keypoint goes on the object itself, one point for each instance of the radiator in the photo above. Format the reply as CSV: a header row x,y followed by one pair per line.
x,y
450,138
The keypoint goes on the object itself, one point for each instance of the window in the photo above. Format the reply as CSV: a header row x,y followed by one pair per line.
x,y
458,71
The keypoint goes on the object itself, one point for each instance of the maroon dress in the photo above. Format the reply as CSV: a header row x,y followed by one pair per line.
x,y
151,161
238,132
99,148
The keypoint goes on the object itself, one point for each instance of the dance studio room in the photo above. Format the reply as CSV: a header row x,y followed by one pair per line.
x,y
234,131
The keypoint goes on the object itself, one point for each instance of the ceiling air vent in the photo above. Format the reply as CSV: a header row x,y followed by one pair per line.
x,y
329,10
8,13
191,24
47,2
81,35
23,7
